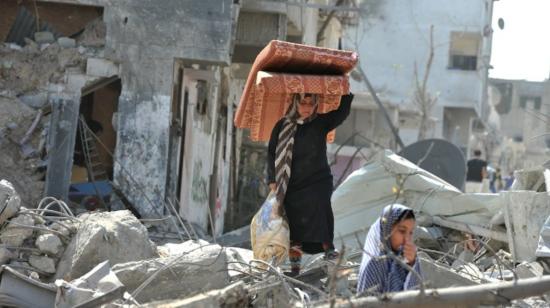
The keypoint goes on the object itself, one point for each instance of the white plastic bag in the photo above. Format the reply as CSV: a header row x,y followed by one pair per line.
x,y
269,233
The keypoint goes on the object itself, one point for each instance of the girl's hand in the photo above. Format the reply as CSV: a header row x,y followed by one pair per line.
x,y
272,186
409,252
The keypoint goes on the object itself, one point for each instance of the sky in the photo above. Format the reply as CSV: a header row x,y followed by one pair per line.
x,y
522,49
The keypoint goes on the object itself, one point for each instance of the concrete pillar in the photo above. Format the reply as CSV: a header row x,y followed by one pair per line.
x,y
63,124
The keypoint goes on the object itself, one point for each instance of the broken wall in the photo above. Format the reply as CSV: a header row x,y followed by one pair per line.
x,y
145,38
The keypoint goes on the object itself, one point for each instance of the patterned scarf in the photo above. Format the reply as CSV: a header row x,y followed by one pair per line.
x,y
379,273
285,144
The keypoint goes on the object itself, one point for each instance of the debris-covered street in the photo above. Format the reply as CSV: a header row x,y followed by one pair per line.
x,y
273,153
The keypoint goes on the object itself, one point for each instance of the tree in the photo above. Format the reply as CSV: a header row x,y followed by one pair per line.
x,y
422,99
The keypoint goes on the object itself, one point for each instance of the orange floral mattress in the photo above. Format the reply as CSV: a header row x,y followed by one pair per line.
x,y
282,69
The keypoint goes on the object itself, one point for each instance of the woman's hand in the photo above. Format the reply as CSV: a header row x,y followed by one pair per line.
x,y
409,252
273,186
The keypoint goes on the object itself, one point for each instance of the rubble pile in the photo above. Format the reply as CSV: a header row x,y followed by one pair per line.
x,y
99,258
33,240
29,76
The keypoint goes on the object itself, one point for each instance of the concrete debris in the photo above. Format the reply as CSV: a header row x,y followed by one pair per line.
x,y
198,273
44,37
207,264
116,236
19,290
49,244
17,230
9,201
529,270
529,179
234,295
43,263
94,34
441,276
66,42
5,255
98,286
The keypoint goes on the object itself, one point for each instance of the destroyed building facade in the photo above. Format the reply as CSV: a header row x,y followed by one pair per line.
x,y
142,95
394,42
523,107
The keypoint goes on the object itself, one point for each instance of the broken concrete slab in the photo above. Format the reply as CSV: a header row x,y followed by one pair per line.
x,y
95,285
529,179
234,295
18,290
116,236
9,201
5,255
437,275
529,270
49,244
17,232
389,178
525,213
207,265
36,100
42,263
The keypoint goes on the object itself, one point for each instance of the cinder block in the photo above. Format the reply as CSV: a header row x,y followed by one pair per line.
x,y
101,67
43,37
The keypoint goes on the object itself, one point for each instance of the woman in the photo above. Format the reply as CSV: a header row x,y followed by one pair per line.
x,y
299,173
380,273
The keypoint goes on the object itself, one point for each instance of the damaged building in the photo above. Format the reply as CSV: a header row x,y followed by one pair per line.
x,y
135,116
423,65
121,170
523,108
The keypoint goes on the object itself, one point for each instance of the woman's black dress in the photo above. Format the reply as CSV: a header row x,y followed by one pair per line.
x,y
307,200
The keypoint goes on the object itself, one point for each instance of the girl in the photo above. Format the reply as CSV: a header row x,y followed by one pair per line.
x,y
379,273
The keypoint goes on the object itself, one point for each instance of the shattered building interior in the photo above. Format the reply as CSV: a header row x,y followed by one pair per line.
x,y
122,172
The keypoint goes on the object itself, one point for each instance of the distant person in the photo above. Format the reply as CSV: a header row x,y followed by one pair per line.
x,y
508,181
392,232
477,172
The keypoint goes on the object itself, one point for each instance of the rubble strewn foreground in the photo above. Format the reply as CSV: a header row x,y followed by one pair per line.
x,y
50,257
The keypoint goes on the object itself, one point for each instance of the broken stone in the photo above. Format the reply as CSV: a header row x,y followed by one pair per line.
x,y
66,42
43,37
94,34
61,229
101,67
42,263
30,46
49,244
529,270
9,201
116,236
36,101
206,265
96,283
437,275
234,295
14,234
14,46
5,255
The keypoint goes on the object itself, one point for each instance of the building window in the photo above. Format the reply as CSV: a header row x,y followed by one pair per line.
x,y
464,50
532,102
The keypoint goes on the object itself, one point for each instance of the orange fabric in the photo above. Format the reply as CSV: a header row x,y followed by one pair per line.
x,y
273,79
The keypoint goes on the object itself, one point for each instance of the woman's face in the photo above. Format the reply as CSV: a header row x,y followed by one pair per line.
x,y
305,107
401,233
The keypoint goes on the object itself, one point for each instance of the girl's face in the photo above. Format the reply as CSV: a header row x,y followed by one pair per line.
x,y
401,233
305,107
